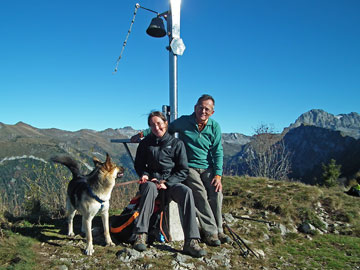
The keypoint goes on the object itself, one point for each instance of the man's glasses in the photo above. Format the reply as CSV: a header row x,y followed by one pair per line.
x,y
206,109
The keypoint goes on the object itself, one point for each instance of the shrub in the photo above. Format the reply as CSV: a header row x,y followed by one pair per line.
x,y
331,173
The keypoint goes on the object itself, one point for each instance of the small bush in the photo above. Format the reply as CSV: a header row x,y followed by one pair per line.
x,y
331,173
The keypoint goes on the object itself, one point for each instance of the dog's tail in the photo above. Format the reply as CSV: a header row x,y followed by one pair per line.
x,y
68,162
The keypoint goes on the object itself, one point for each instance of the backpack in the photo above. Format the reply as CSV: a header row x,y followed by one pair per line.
x,y
354,191
122,226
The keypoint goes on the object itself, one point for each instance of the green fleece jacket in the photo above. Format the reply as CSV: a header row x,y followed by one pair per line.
x,y
203,149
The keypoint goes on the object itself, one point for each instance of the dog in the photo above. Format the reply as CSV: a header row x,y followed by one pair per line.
x,y
89,194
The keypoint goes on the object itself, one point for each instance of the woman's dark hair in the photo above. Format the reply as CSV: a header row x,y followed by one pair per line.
x,y
158,114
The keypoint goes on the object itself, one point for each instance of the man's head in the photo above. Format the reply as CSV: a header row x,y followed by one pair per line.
x,y
204,108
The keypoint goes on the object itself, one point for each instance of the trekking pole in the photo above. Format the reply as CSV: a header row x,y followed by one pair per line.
x,y
257,220
239,238
244,252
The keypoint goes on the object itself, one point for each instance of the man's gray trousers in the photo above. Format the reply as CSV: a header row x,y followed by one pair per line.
x,y
208,202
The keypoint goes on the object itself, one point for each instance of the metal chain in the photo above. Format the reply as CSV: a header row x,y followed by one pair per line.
x,y
127,36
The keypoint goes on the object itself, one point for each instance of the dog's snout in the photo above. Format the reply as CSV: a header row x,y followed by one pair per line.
x,y
121,172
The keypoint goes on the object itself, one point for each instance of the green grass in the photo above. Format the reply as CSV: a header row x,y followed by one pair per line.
x,y
25,240
291,202
16,252
322,252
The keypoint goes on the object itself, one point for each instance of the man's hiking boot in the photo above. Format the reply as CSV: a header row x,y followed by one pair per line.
x,y
192,248
140,242
224,239
211,240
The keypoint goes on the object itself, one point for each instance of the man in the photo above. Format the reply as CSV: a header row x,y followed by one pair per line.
x,y
202,138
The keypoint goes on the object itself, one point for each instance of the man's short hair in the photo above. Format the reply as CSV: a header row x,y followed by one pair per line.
x,y
205,97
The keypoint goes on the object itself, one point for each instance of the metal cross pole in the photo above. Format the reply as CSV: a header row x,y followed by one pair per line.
x,y
176,47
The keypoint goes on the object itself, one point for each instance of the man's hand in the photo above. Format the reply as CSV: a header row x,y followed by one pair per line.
x,y
136,138
216,182
143,179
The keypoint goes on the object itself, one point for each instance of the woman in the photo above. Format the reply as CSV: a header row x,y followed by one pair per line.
x,y
161,164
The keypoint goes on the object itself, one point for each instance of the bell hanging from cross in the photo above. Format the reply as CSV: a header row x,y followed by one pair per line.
x,y
156,28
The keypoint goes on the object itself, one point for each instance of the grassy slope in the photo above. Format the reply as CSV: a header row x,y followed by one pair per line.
x,y
26,245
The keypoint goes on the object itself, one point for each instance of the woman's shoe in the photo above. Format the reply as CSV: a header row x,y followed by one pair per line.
x,y
140,242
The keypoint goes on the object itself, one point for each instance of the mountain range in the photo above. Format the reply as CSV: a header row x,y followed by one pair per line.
x,y
312,140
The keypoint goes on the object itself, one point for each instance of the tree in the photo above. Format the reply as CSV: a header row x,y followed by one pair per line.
x,y
331,173
267,155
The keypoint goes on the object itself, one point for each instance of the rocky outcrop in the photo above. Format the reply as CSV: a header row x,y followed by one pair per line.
x,y
348,124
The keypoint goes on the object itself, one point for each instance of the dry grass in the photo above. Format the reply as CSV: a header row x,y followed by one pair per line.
x,y
289,202
286,203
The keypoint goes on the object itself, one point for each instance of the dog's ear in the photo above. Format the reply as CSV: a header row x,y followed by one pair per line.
x,y
108,163
96,161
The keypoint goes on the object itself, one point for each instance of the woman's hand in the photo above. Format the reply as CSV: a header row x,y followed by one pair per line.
x,y
159,184
143,179
162,185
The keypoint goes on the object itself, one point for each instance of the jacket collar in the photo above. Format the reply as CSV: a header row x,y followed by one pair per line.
x,y
193,119
162,139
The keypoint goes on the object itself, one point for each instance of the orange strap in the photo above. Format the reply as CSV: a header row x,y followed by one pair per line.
x,y
161,228
127,223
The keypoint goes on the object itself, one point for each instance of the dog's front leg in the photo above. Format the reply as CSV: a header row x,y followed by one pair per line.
x,y
89,250
105,221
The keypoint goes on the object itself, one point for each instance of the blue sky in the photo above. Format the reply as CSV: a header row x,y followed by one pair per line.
x,y
264,61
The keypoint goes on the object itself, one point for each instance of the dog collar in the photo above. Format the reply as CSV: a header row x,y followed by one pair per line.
x,y
92,194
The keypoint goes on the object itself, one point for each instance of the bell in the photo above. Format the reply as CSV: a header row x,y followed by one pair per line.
x,y
156,28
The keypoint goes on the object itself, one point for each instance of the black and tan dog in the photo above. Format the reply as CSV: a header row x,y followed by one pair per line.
x,y
89,194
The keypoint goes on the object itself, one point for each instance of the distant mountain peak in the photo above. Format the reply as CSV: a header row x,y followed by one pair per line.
x,y
348,124
20,123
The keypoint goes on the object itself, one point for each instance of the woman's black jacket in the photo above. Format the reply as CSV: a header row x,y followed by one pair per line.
x,y
162,158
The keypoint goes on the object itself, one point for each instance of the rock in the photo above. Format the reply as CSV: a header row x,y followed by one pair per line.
x,y
312,227
180,262
229,218
180,258
304,228
128,255
64,260
148,266
283,229
62,267
259,252
265,237
211,263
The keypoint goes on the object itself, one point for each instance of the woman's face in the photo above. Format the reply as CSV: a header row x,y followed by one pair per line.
x,y
158,126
